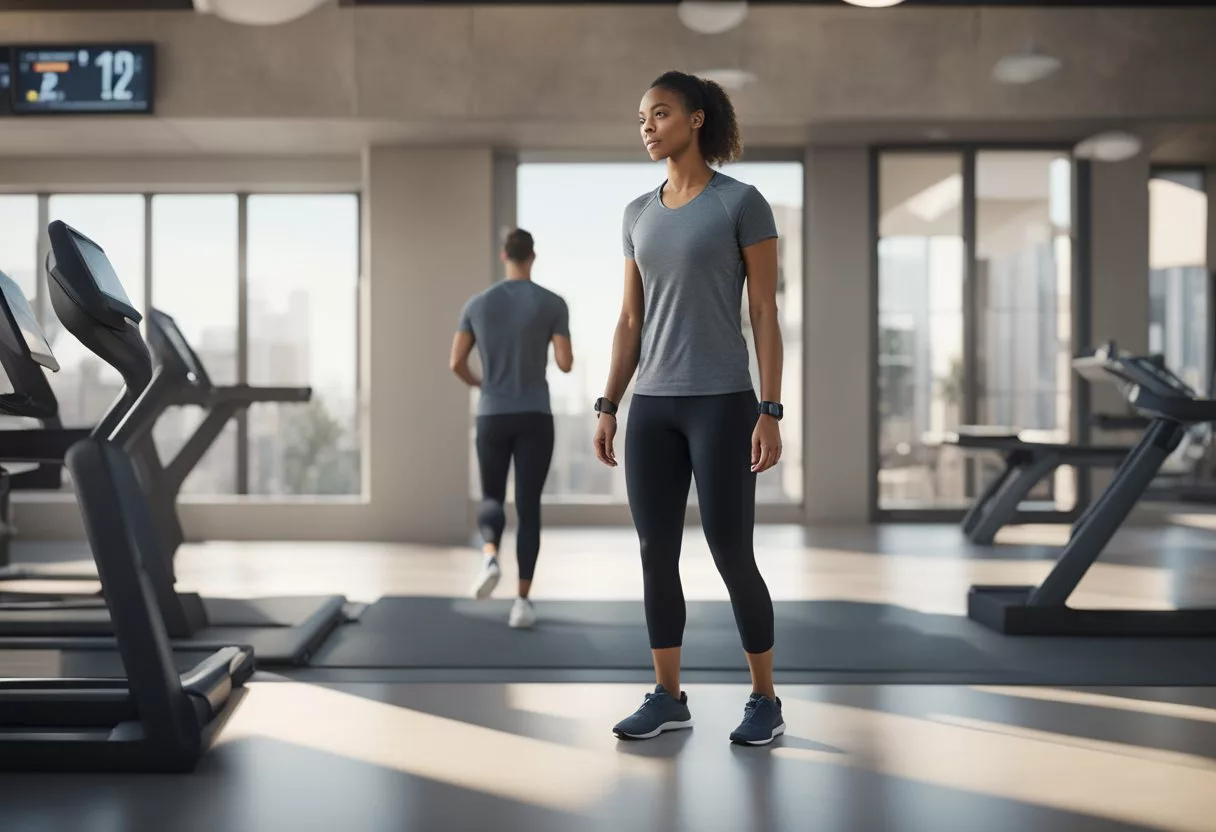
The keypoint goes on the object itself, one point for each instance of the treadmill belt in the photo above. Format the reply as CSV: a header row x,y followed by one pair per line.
x,y
287,611
281,631
815,636
65,664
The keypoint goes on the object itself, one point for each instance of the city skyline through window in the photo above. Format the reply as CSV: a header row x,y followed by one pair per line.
x,y
302,263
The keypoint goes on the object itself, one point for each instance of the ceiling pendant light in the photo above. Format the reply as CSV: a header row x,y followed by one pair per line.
x,y
874,4
711,17
257,12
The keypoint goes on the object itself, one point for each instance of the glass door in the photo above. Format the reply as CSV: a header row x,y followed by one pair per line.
x,y
975,275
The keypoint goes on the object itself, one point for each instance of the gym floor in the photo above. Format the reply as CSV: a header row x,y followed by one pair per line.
x,y
504,747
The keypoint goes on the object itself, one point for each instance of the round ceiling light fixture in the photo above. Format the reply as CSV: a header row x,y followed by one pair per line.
x,y
1109,146
874,4
258,12
711,17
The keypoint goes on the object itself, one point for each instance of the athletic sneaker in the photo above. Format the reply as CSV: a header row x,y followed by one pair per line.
x,y
659,712
523,615
762,721
487,579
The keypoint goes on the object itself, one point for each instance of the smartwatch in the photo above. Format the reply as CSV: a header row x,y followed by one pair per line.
x,y
773,409
603,405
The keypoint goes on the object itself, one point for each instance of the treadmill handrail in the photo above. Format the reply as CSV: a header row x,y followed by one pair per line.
x,y
39,444
240,394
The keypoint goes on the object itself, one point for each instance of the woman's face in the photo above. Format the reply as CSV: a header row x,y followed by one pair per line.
x,y
667,128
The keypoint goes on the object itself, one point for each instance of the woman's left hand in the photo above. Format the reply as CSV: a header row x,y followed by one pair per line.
x,y
766,443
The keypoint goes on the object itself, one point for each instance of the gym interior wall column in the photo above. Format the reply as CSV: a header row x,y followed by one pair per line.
x,y
1119,268
836,337
428,214
1209,187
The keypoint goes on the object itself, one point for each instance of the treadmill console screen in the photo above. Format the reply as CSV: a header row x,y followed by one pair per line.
x,y
89,78
99,267
39,349
178,341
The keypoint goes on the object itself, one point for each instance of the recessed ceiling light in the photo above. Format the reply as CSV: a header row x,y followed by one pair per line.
x,y
1025,67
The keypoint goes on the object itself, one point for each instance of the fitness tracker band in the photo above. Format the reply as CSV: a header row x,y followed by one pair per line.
x,y
773,409
603,405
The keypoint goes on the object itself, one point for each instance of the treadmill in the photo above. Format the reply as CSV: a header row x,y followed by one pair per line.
x,y
1172,408
1028,462
156,719
180,379
283,631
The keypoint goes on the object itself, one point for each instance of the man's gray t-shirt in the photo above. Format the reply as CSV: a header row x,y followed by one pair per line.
x,y
512,324
693,272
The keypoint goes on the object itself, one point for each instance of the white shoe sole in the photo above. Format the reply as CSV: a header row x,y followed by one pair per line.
x,y
778,731
666,726
483,589
521,624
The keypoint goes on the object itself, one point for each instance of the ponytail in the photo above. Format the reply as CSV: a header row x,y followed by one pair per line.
x,y
718,139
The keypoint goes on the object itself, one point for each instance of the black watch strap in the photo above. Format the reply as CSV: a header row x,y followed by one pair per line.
x,y
603,405
773,409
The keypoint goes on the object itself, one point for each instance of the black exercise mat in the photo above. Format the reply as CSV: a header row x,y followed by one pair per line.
x,y
814,636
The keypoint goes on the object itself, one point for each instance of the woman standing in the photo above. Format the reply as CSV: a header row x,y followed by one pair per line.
x,y
691,246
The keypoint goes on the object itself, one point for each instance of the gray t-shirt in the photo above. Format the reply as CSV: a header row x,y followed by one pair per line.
x,y
512,324
693,271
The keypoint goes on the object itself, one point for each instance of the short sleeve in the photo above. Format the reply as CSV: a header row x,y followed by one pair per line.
x,y
627,231
465,323
561,318
756,220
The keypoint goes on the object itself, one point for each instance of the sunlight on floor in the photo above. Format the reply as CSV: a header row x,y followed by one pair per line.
x,y
1173,710
1118,782
472,757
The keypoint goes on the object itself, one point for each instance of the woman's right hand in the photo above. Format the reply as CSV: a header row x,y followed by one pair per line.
x,y
605,432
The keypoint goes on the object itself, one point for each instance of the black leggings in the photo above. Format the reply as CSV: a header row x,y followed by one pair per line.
x,y
528,438
669,440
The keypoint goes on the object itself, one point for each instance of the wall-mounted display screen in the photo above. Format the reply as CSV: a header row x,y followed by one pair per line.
x,y
88,78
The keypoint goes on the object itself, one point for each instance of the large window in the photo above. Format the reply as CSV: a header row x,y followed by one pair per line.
x,y
19,241
85,385
18,260
1179,304
984,339
303,307
579,256
299,256
920,328
195,264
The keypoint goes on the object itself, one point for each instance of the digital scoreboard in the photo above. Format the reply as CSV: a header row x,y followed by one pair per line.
x,y
6,81
90,78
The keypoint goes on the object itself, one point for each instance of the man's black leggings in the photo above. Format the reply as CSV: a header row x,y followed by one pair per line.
x,y
669,440
528,439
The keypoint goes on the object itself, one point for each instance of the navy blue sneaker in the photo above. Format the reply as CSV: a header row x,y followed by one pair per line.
x,y
762,721
659,712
